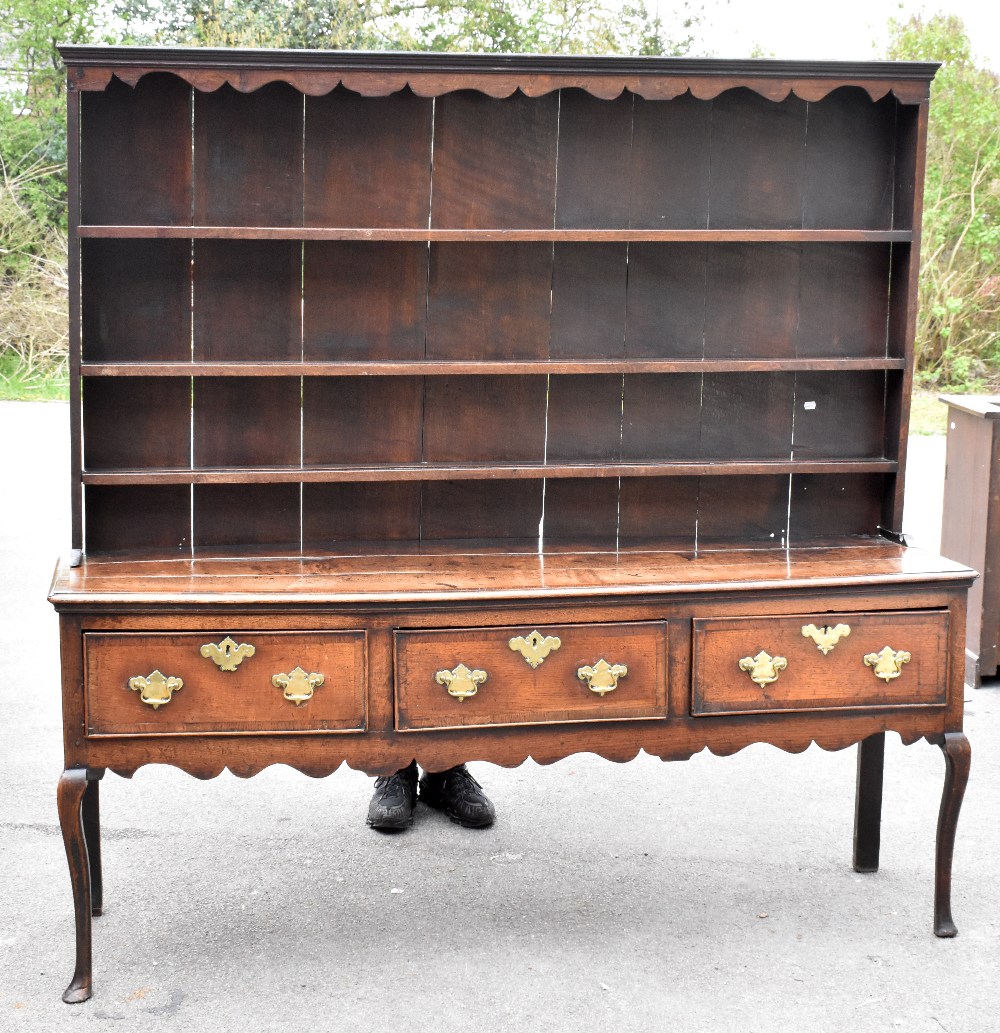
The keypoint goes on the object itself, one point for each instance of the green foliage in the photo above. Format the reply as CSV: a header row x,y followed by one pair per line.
x,y
958,325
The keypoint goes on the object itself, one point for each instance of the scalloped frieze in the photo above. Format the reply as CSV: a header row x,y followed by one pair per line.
x,y
316,83
206,759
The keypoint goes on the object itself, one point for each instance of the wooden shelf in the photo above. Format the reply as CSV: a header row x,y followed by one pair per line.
x,y
456,235
433,367
482,471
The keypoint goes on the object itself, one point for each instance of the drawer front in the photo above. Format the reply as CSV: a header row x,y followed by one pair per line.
x,y
277,682
523,686
759,665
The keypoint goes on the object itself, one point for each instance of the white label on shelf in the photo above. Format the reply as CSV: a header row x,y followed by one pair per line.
x,y
808,405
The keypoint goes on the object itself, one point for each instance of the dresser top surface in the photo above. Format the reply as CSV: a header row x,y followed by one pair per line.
x,y
449,574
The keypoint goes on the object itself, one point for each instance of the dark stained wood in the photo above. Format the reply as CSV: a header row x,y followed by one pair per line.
x,y
752,300
480,510
72,788
840,415
850,152
247,300
666,301
147,516
139,422
74,328
472,367
484,419
135,155
843,504
755,186
671,164
580,510
248,157
136,300
661,417
364,301
489,302
495,236
958,759
360,420
595,159
494,161
367,160
747,417
246,421
584,419
868,803
615,349
843,300
235,516
588,301
352,512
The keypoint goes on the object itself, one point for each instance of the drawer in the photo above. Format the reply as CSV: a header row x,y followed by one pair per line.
x,y
528,675
841,661
277,682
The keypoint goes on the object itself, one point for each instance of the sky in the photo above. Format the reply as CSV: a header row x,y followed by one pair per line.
x,y
847,30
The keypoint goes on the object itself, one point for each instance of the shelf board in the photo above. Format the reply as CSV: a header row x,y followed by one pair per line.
x,y
482,471
439,235
431,367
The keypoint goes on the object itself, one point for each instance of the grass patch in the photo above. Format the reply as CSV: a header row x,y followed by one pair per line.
x,y
20,383
927,415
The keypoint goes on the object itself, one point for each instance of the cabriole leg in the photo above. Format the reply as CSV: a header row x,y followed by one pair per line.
x,y
92,834
868,803
958,760
70,796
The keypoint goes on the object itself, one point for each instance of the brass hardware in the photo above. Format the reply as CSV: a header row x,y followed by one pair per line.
x,y
888,663
227,655
603,677
155,689
461,682
535,647
297,685
826,637
763,668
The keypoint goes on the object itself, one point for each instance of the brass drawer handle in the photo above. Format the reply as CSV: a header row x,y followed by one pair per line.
x,y
535,647
297,686
227,655
763,668
461,682
888,663
826,637
155,689
603,677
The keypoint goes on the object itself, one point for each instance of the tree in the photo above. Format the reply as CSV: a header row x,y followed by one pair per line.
x,y
958,326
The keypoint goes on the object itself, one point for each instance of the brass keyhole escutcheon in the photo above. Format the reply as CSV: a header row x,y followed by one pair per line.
x,y
887,663
155,689
826,637
297,686
227,655
461,682
535,647
763,668
603,677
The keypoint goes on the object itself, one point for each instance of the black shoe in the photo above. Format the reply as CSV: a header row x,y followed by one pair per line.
x,y
395,796
459,795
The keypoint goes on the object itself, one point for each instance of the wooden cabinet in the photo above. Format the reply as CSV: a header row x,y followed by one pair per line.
x,y
970,524
505,407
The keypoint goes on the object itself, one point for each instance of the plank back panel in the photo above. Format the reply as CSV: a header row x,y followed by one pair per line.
x,y
136,300
367,159
247,421
236,516
135,153
365,512
248,157
137,517
494,161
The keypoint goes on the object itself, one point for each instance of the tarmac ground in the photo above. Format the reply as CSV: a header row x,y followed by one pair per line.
x,y
715,895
